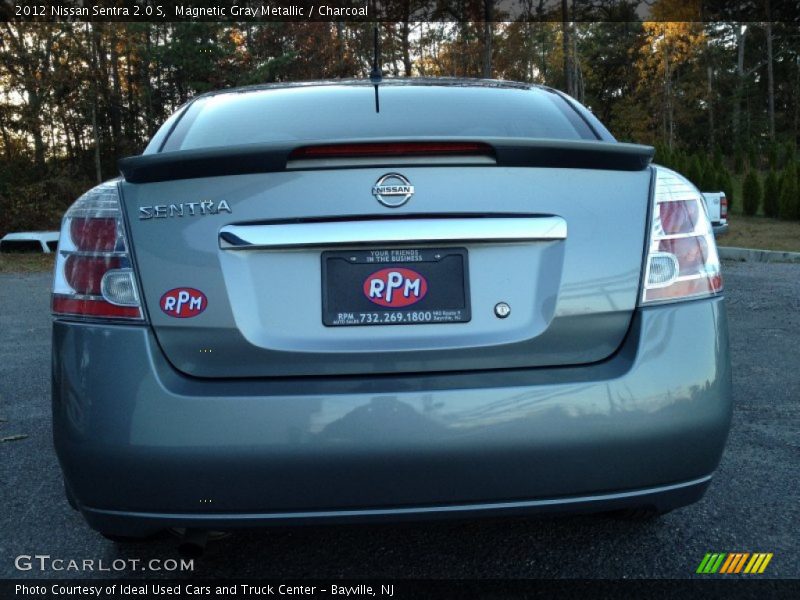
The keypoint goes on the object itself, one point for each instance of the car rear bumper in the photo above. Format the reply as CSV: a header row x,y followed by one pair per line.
x,y
720,228
143,447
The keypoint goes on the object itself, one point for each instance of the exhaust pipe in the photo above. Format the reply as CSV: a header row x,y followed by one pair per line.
x,y
193,543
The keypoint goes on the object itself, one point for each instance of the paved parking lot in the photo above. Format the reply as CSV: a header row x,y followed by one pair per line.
x,y
752,506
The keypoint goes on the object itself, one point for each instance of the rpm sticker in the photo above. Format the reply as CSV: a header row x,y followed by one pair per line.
x,y
395,287
183,302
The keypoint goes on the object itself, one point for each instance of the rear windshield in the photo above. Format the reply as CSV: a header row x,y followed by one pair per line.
x,y
342,112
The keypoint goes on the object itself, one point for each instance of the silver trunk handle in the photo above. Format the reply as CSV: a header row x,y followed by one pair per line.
x,y
392,231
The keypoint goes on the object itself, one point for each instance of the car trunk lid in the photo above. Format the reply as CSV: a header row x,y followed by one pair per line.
x,y
246,250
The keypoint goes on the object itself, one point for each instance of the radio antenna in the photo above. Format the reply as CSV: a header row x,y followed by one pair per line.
x,y
375,75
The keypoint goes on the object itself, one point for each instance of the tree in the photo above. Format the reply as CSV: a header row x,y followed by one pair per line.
x,y
488,34
695,172
772,156
772,190
770,76
727,187
28,67
566,41
752,157
789,202
75,97
751,193
738,160
789,154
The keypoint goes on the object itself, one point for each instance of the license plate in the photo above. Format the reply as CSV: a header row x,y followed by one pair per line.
x,y
398,286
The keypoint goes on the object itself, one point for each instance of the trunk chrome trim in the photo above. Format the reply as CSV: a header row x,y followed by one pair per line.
x,y
392,231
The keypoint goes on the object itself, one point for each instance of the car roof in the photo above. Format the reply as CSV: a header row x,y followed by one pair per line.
x,y
386,81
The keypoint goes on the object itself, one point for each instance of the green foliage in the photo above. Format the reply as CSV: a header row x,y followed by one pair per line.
x,y
39,205
721,176
773,155
753,158
718,158
694,171
751,193
789,202
772,190
67,88
680,162
789,154
663,155
738,160
710,177
726,185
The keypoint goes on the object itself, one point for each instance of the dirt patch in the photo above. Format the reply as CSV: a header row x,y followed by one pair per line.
x,y
762,233
26,262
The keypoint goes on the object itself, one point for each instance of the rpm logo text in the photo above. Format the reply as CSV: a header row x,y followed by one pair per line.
x,y
395,287
183,302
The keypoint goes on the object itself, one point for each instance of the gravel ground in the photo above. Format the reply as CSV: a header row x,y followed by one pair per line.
x,y
752,504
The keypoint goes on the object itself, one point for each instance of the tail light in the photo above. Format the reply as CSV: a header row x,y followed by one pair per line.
x,y
392,149
723,207
94,275
682,261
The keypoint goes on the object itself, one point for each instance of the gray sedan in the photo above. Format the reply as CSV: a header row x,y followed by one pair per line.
x,y
342,301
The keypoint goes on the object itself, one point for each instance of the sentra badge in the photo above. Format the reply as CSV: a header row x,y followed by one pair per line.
x,y
183,209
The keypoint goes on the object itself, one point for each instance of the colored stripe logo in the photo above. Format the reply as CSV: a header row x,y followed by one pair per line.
x,y
734,562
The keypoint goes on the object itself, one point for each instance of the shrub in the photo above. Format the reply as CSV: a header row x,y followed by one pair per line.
x,y
772,191
694,172
663,155
681,162
789,154
738,160
751,193
38,206
710,178
772,156
718,159
788,204
753,157
726,185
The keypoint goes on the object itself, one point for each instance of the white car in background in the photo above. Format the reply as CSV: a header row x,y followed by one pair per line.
x,y
26,241
717,207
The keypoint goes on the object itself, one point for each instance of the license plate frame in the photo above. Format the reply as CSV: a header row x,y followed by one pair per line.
x,y
445,271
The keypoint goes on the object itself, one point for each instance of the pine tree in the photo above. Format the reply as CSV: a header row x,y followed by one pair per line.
x,y
773,155
718,159
680,162
751,193
663,155
753,161
694,172
772,190
738,161
727,187
788,206
709,179
789,154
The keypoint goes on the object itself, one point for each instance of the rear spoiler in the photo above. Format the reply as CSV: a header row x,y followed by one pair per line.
x,y
273,157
